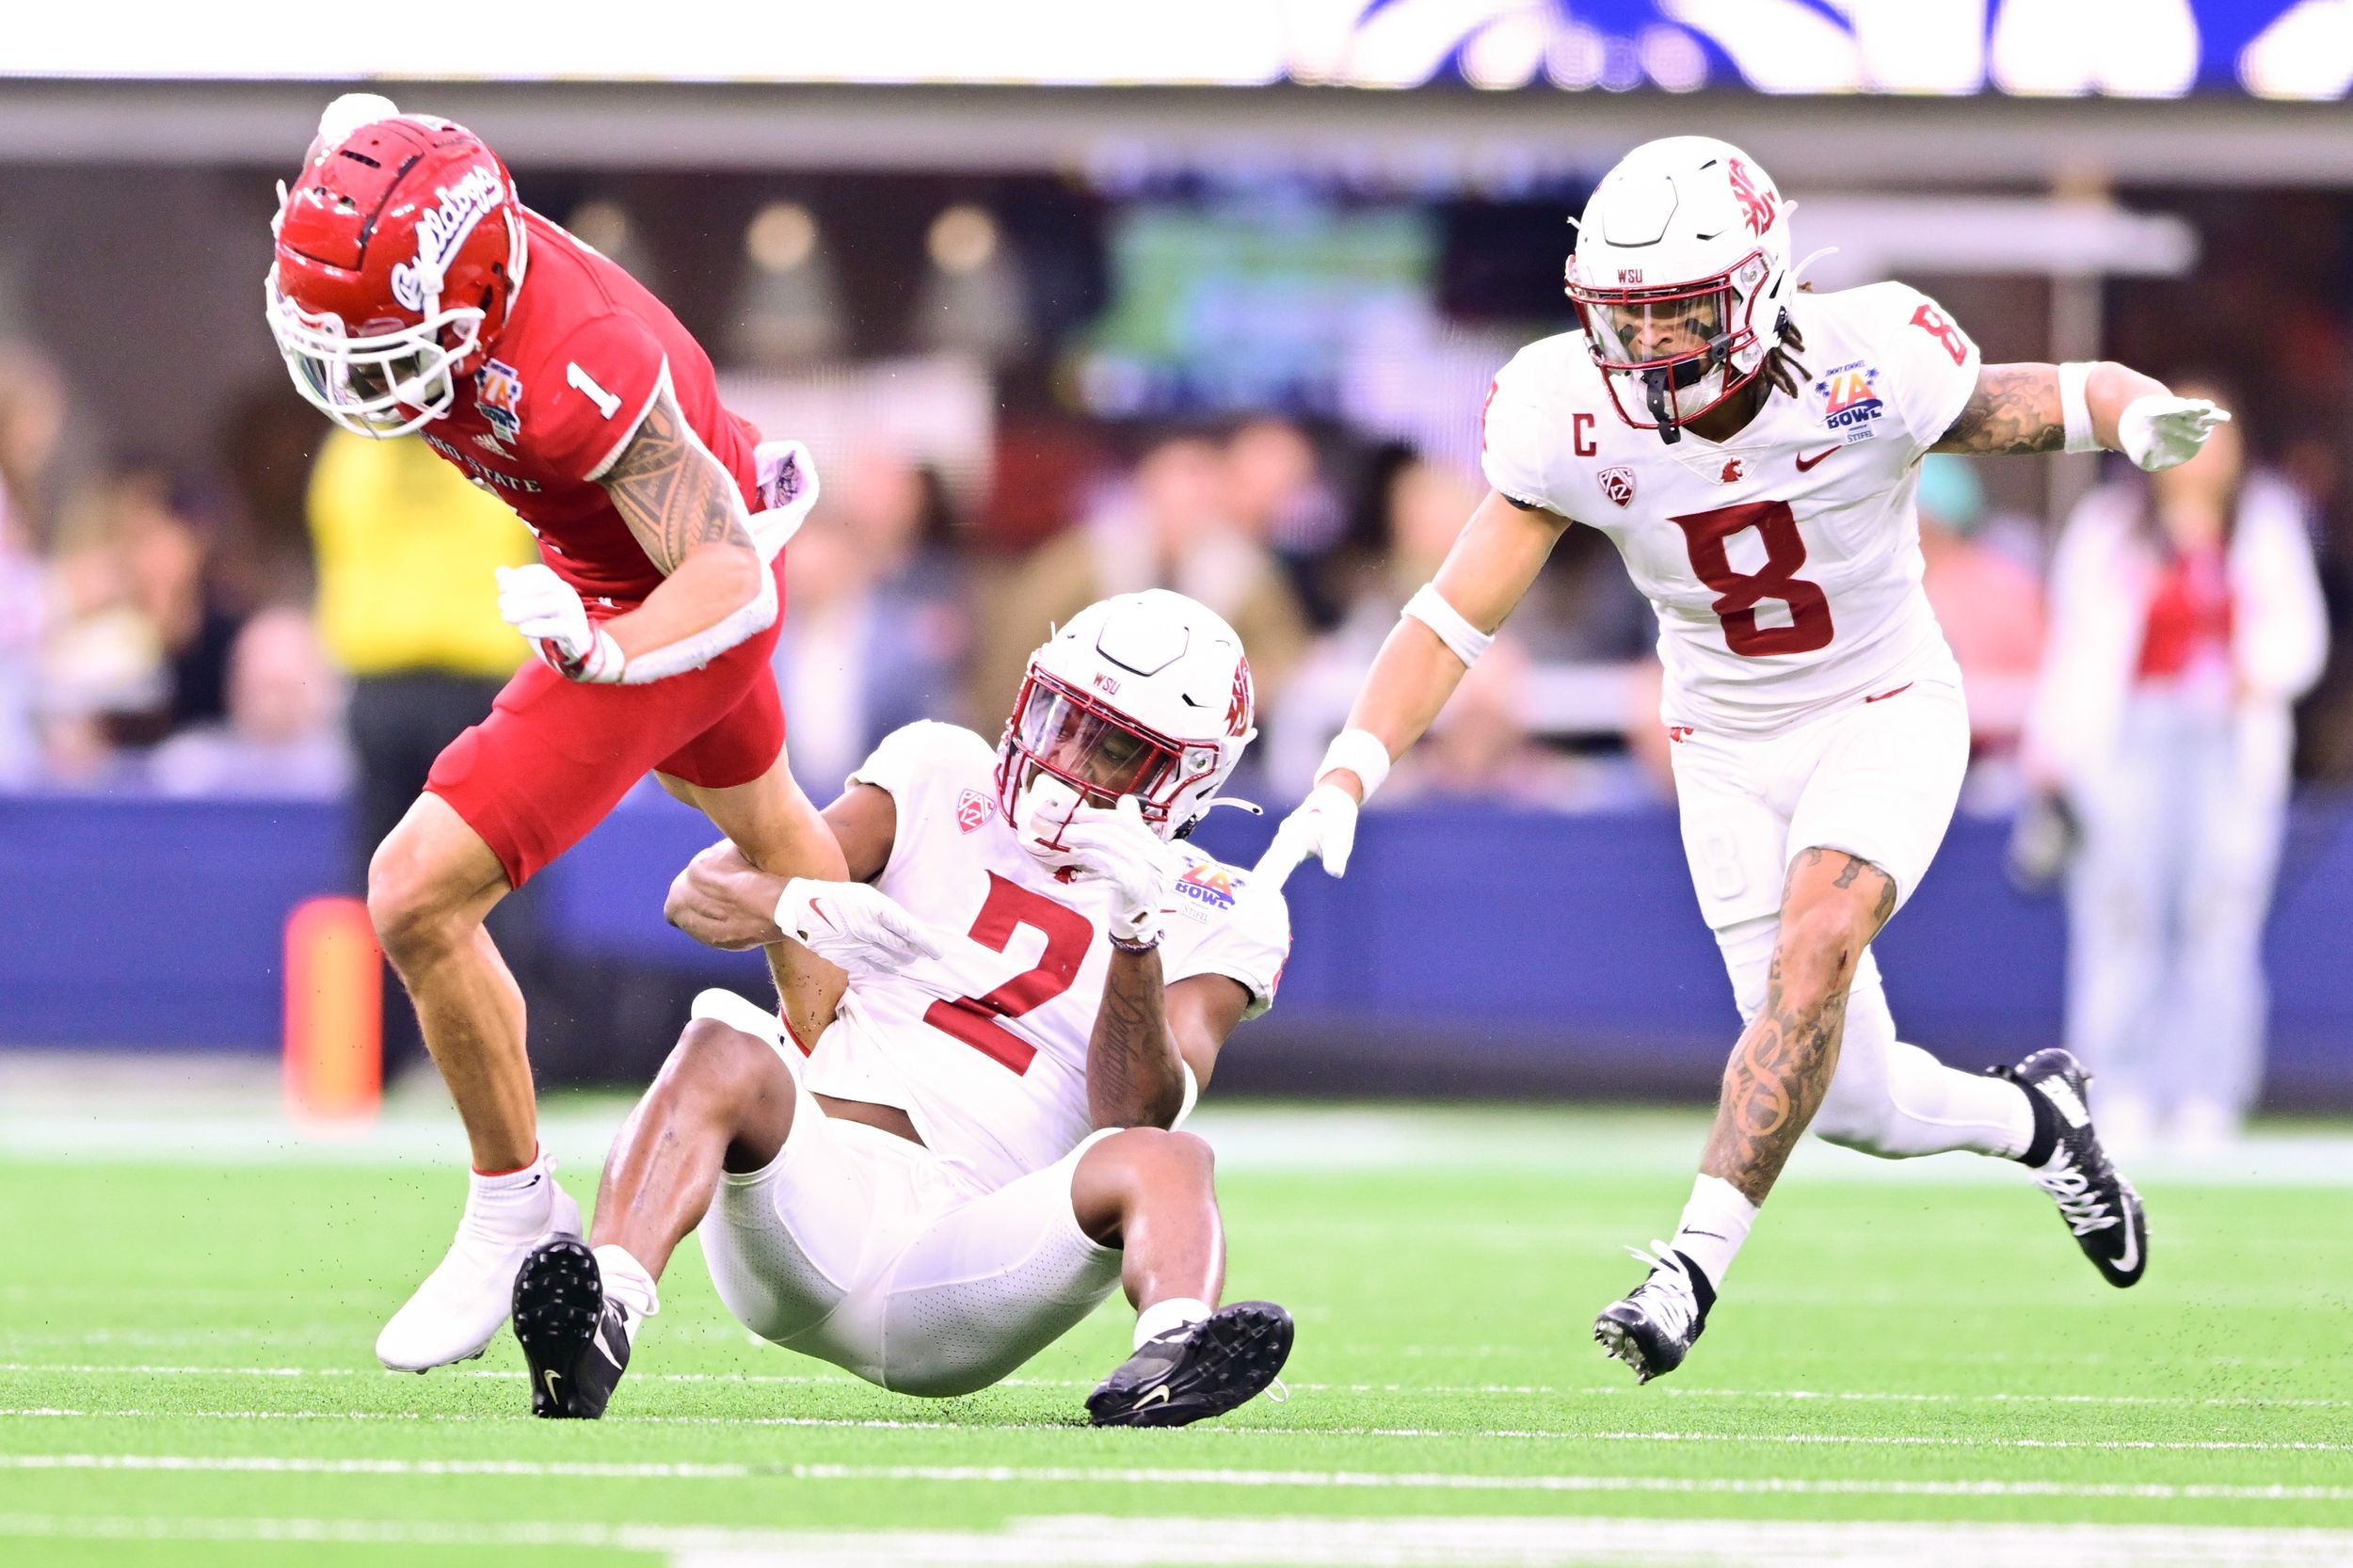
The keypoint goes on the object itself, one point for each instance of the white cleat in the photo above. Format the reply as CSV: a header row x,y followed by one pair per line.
x,y
458,1308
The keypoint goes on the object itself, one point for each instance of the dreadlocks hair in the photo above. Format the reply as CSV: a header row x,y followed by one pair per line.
x,y
1782,368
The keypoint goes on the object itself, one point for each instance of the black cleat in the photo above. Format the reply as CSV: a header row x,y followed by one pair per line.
x,y
2068,1162
1201,1369
574,1340
1654,1328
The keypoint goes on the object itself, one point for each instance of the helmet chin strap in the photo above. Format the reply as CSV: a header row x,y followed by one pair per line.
x,y
1658,392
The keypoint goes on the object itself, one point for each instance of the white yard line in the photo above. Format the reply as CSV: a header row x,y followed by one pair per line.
x,y
1413,1434
1345,1481
1089,1540
805,1380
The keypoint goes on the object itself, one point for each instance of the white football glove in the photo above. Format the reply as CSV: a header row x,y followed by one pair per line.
x,y
1115,847
2158,431
1323,825
860,928
548,612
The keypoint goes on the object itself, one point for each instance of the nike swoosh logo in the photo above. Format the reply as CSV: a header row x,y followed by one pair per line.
x,y
2131,1260
1157,1396
1805,462
551,1377
606,1350
1885,696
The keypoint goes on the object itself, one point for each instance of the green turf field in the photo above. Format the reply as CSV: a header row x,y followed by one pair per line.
x,y
186,1374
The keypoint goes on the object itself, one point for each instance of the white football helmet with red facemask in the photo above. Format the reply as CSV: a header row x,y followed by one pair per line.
x,y
1681,278
1145,694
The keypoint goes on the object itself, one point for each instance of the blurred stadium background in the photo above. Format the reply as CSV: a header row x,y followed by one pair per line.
x,y
1070,297
1065,303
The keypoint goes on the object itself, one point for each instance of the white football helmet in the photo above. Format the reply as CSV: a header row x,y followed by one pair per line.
x,y
1145,694
1681,278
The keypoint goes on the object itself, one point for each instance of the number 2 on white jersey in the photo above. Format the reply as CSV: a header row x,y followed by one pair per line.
x,y
973,1019
1706,534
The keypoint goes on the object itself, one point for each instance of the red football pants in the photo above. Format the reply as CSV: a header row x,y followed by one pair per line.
x,y
556,756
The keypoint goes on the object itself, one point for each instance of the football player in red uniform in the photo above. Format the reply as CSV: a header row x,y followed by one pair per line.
x,y
412,292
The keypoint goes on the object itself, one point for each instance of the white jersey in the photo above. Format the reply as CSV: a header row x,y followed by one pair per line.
x,y
995,1079
1784,564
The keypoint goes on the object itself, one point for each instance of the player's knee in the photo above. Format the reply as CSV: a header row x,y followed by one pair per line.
x,y
1820,950
1136,1160
411,904
717,1067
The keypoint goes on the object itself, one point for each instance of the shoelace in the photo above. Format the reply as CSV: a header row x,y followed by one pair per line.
x,y
2084,1210
1667,1294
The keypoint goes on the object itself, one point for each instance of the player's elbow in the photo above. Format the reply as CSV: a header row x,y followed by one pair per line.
x,y
739,584
1156,1104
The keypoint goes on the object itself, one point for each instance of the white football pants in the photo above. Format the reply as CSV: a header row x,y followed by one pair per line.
x,y
1878,779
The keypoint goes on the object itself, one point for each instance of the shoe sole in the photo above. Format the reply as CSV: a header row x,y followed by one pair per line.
x,y
1254,1340
559,1298
1618,1340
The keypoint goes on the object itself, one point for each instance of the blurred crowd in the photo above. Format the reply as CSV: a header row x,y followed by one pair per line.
x,y
161,630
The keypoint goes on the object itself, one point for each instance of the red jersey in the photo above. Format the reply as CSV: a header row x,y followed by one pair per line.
x,y
584,351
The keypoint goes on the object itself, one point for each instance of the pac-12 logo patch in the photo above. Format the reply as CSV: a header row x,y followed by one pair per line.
x,y
498,392
1851,400
971,809
1208,885
1618,484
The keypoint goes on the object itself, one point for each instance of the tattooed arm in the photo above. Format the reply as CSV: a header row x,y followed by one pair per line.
x,y
685,510
2016,407
1832,907
1147,1033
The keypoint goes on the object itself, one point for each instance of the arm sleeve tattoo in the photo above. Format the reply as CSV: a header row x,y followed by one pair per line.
x,y
673,494
2014,409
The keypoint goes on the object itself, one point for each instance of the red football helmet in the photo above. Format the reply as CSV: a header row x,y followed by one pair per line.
x,y
399,253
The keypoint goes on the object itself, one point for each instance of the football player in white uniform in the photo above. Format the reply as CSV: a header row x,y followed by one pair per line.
x,y
1752,449
983,1144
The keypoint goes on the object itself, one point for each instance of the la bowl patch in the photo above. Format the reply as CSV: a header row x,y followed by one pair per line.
x,y
498,392
1205,888
1851,406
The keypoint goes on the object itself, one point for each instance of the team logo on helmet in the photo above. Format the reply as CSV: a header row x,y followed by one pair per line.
x,y
971,810
442,230
1618,484
1756,206
1237,705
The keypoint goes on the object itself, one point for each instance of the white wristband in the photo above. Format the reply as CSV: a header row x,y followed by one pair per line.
x,y
1362,753
1466,641
604,664
2073,377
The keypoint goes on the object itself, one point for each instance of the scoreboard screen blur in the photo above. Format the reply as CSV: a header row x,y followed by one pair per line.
x,y
2283,49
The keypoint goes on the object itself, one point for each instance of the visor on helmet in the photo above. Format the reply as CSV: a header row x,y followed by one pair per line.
x,y
1672,349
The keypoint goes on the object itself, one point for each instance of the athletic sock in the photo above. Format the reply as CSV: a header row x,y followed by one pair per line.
x,y
1713,1224
626,1280
514,1204
2042,1141
1175,1312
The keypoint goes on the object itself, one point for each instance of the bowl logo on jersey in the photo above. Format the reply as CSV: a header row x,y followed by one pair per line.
x,y
971,810
441,231
498,392
1618,484
1850,405
1209,886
